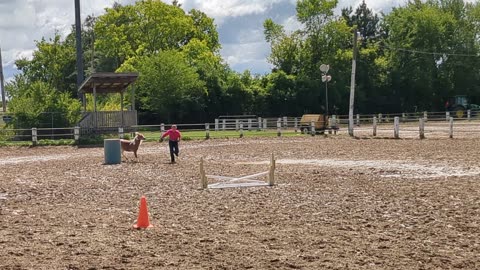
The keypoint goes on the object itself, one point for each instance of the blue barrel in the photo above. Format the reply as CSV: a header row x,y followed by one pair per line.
x,y
112,149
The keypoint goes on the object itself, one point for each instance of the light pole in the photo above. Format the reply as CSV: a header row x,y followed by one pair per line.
x,y
325,78
2,85
78,35
352,84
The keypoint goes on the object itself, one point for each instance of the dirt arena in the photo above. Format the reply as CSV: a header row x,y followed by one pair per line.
x,y
339,203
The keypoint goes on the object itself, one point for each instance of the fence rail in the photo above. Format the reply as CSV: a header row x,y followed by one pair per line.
x,y
418,125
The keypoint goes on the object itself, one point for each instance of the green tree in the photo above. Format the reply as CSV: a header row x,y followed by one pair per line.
x,y
33,103
169,86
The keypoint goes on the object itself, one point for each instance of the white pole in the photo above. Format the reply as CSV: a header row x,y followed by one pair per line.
x,y
162,128
265,127
207,131
224,124
421,128
217,124
396,124
374,126
249,124
295,124
34,136
404,117
285,121
259,123
451,128
241,129
358,120
380,117
447,116
236,124
120,132
425,115
76,134
469,115
312,128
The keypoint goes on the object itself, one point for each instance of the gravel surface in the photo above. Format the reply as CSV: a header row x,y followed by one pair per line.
x,y
338,203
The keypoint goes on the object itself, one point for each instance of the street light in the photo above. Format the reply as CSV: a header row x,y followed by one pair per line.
x,y
325,78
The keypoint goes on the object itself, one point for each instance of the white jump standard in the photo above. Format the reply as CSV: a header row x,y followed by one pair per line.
x,y
244,181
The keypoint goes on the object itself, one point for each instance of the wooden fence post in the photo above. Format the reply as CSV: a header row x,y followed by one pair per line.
x,y
379,118
203,176
217,124
396,127
259,123
249,124
312,128
76,134
374,126
207,131
271,175
285,121
34,136
237,124
224,124
295,124
451,128
241,129
447,116
421,128
120,132
469,115
265,126
279,127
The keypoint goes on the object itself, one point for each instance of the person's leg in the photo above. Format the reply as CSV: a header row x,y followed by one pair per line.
x,y
171,145
176,149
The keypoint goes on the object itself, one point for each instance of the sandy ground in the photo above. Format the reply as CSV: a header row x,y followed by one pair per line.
x,y
339,203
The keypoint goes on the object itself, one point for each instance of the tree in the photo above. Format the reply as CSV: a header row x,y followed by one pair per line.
x,y
30,101
169,86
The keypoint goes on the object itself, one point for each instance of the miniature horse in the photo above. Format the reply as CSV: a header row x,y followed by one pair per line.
x,y
132,146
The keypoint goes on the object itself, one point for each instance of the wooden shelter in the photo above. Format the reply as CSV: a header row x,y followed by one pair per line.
x,y
108,83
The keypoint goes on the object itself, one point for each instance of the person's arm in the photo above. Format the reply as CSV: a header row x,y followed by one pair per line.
x,y
164,135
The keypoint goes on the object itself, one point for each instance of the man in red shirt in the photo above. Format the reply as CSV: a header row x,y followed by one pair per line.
x,y
174,137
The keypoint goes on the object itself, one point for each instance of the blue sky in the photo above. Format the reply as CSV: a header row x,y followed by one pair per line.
x,y
239,23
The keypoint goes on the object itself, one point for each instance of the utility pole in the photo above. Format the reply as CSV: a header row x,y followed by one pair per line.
x,y
78,34
2,83
352,84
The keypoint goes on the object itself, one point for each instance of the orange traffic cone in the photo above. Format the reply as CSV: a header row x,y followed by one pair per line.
x,y
143,221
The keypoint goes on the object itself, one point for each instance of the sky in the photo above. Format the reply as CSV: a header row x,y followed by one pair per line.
x,y
239,23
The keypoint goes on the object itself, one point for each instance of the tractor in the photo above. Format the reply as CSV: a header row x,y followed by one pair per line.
x,y
459,105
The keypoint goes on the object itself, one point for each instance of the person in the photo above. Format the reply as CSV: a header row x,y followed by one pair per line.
x,y
174,137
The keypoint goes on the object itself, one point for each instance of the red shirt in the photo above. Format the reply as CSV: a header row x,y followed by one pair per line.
x,y
173,135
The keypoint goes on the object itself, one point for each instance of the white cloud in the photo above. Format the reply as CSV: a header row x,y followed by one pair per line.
x,y
240,24
220,9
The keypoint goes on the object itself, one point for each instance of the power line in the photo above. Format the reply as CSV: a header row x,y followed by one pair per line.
x,y
429,53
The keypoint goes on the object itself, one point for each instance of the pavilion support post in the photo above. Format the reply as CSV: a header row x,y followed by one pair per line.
x,y
95,104
121,107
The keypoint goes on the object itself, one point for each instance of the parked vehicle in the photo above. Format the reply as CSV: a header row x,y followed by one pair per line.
x,y
459,105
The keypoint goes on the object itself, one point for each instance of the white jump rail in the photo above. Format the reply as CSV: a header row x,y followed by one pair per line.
x,y
243,181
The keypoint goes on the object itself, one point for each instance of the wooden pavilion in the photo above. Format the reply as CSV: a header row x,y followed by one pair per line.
x,y
108,83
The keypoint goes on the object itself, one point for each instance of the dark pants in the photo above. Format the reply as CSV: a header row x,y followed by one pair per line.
x,y
173,149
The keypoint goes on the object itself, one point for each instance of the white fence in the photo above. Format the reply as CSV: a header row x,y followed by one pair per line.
x,y
402,126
